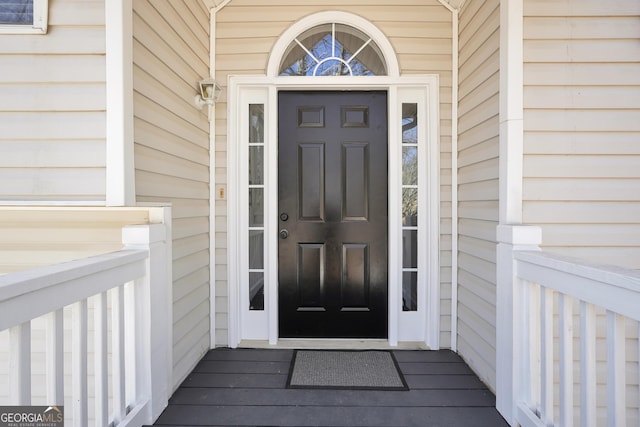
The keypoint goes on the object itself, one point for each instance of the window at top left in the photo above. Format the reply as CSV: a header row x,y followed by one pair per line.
x,y
23,16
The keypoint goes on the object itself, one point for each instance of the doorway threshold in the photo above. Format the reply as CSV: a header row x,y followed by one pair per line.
x,y
333,344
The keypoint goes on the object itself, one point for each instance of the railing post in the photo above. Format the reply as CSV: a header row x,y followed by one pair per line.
x,y
511,238
153,318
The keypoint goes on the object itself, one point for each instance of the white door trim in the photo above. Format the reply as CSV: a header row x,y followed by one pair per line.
x,y
420,326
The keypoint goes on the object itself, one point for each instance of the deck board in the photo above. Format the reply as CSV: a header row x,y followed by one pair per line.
x,y
243,387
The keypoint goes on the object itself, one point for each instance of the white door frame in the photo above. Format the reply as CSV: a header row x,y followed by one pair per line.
x,y
418,326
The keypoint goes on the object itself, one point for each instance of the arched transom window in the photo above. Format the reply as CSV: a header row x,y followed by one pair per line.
x,y
333,50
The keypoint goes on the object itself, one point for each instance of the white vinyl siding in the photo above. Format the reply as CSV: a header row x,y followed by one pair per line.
x,y
171,54
581,141
420,32
478,147
52,107
582,127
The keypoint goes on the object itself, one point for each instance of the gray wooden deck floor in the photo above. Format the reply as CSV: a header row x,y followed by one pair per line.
x,y
244,387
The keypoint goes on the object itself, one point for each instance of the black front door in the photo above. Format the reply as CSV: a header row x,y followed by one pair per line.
x,y
332,252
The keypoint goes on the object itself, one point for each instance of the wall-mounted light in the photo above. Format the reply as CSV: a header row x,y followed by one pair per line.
x,y
209,94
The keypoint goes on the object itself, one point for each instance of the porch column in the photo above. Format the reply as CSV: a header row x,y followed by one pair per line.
x,y
511,235
511,238
152,361
120,170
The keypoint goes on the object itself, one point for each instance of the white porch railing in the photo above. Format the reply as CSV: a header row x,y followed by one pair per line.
x,y
132,378
574,345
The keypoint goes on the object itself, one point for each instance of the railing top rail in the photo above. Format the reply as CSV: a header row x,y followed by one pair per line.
x,y
613,288
25,295
612,275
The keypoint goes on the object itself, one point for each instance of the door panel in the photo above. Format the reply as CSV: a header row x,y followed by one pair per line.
x,y
332,252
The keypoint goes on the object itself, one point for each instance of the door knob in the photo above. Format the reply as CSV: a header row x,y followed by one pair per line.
x,y
284,233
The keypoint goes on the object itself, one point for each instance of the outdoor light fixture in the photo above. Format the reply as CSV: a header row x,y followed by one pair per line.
x,y
209,94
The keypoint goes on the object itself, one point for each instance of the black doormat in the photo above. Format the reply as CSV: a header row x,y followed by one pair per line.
x,y
333,369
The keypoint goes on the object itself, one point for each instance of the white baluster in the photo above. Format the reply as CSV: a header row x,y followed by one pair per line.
x,y
565,308
616,416
20,364
587,365
55,358
100,359
547,354
79,363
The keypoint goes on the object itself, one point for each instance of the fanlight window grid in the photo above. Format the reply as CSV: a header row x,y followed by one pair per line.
x,y
333,50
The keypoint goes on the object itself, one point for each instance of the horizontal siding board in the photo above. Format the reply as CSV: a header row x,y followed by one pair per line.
x,y
190,245
52,97
58,41
480,70
582,51
585,235
184,266
263,45
582,120
198,43
583,8
187,227
182,327
165,119
584,189
483,132
51,154
601,143
200,15
478,172
581,74
148,159
53,183
76,13
479,287
483,45
155,184
193,347
164,95
581,27
482,268
162,140
480,152
482,210
624,213
474,353
145,35
148,22
483,190
577,166
583,97
190,283
52,125
52,68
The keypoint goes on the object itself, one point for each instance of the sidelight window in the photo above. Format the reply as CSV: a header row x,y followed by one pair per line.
x,y
256,209
409,206
333,50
